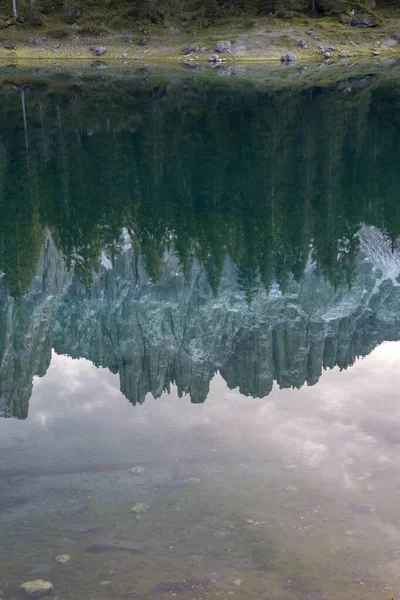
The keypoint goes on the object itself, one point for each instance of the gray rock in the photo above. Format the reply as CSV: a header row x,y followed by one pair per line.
x,y
107,545
194,480
100,50
41,568
288,58
363,20
37,588
213,58
62,559
20,19
223,46
143,41
9,46
302,44
317,595
203,49
185,586
83,528
138,470
140,507
327,55
396,37
190,49
390,43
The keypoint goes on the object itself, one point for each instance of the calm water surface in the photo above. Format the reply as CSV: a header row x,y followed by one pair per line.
x,y
199,319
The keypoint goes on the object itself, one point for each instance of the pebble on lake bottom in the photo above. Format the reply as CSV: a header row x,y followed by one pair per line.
x,y
140,507
191,481
62,558
138,470
37,588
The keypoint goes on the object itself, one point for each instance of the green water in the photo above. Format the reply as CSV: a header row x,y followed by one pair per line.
x,y
199,275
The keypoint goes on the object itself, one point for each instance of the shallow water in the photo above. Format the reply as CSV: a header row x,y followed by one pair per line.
x,y
203,282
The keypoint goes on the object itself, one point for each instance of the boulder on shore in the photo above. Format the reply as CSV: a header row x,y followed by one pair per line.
x,y
288,58
213,58
223,46
100,50
190,49
363,19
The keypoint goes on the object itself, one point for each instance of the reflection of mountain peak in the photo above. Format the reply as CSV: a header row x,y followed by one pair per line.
x,y
177,331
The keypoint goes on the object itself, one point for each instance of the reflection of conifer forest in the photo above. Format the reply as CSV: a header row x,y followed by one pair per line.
x,y
208,170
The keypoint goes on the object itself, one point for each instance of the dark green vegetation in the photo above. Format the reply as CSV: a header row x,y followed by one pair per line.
x,y
94,17
202,12
208,170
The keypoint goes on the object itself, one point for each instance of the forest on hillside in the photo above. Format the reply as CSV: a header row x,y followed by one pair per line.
x,y
201,12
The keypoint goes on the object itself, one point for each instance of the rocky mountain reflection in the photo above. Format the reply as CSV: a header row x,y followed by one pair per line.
x,y
172,231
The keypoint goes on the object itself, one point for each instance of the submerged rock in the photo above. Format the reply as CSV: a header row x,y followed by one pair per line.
x,y
37,588
62,558
116,545
186,586
191,481
83,528
140,507
138,470
40,568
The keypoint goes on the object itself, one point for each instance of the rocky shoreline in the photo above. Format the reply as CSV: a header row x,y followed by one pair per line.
x,y
310,41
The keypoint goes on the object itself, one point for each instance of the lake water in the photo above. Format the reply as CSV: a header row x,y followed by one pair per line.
x,y
199,320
